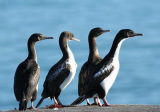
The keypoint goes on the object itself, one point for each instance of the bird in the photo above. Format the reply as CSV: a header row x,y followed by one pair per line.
x,y
27,74
105,72
60,74
93,59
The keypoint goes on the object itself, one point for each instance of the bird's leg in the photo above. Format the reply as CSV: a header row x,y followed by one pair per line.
x,y
95,101
23,104
105,102
56,104
32,106
99,102
88,103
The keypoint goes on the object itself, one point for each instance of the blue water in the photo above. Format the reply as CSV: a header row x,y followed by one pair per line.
x,y
138,80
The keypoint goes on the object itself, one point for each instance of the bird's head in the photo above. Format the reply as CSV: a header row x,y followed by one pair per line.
x,y
95,32
38,36
127,33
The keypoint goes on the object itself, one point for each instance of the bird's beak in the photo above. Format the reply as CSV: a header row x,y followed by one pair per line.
x,y
106,30
48,37
75,39
138,34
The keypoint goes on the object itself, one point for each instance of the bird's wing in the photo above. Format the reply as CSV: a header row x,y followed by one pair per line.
x,y
99,76
61,77
104,72
54,79
82,79
19,83
55,69
85,75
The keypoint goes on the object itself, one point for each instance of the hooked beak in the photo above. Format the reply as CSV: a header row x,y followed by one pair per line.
x,y
75,39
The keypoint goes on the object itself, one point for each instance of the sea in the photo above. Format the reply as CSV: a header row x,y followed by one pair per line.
x,y
138,81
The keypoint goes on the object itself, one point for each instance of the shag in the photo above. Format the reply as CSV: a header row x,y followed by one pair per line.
x,y
93,60
61,74
27,74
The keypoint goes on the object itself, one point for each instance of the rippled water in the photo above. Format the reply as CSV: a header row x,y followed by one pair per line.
x,y
138,80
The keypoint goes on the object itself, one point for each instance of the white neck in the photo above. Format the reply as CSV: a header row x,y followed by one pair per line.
x,y
71,56
116,55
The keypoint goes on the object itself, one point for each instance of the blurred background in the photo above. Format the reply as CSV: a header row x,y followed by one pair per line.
x,y
138,80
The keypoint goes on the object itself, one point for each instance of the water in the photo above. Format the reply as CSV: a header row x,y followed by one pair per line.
x,y
138,80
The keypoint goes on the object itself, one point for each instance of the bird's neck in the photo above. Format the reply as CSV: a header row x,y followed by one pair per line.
x,y
65,49
32,50
114,51
93,51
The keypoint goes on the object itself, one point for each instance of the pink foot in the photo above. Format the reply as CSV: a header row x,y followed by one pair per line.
x,y
55,106
99,104
106,105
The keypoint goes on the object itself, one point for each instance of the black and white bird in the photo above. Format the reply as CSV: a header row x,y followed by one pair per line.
x,y
61,74
105,73
93,60
27,74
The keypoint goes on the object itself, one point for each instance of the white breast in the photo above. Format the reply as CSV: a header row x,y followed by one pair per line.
x,y
108,82
71,61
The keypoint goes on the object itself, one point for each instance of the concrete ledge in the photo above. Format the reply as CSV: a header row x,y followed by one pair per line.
x,y
112,108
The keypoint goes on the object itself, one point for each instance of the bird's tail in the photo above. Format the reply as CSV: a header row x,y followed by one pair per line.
x,y
23,105
79,100
40,101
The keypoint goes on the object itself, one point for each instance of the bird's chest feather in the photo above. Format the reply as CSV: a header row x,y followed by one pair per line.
x,y
72,66
33,72
108,81
35,77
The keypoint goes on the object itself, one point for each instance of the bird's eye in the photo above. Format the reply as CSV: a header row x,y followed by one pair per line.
x,y
130,33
